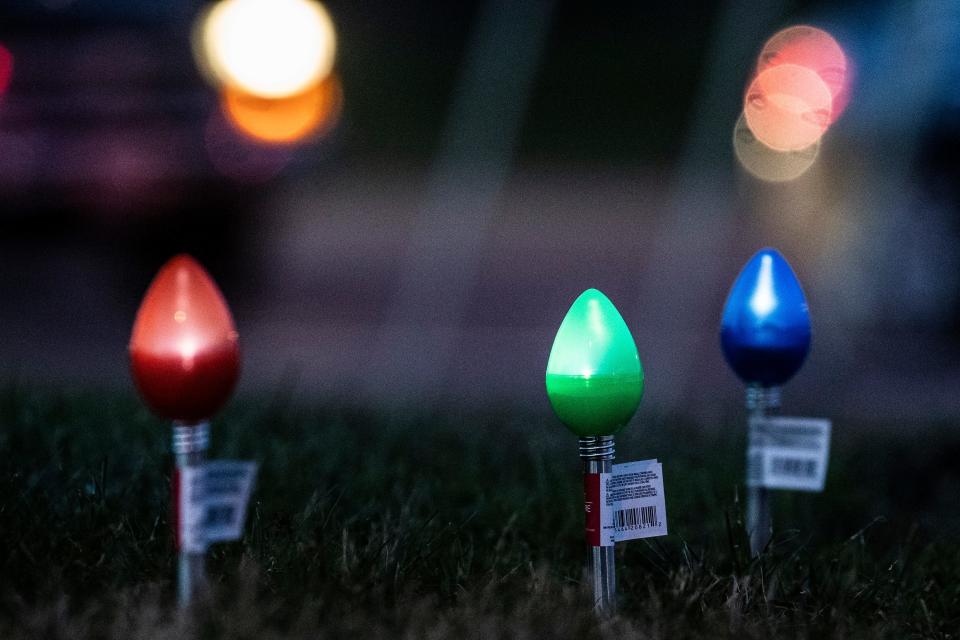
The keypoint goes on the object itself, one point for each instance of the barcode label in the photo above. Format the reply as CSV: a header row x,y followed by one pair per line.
x,y
211,502
636,501
227,488
754,467
219,516
788,453
636,518
794,467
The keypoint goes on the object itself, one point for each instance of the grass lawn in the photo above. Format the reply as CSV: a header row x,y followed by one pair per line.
x,y
371,525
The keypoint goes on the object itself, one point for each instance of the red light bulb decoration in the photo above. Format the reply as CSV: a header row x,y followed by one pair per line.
x,y
184,353
185,361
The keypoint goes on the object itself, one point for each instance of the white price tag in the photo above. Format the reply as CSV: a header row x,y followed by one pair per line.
x,y
788,453
227,485
212,502
636,501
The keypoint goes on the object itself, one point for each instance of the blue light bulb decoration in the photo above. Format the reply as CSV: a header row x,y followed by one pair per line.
x,y
765,330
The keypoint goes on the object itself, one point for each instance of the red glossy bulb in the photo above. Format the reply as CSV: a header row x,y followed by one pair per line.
x,y
184,353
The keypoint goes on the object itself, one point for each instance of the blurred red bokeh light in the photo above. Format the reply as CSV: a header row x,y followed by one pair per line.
x,y
814,49
184,352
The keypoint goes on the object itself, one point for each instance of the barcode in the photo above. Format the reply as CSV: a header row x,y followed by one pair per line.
x,y
794,467
755,466
636,518
219,515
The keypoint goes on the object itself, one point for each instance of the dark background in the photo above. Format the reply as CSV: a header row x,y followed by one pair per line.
x,y
493,160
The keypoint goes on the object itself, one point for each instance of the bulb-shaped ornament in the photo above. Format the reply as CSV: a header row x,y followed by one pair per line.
x,y
184,354
765,329
594,375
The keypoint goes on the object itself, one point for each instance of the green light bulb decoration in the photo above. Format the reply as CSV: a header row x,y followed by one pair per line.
x,y
595,382
594,375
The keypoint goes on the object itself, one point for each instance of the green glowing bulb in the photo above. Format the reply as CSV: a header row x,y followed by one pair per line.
x,y
594,376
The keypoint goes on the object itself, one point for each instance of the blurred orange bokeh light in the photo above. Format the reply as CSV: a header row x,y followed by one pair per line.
x,y
787,107
285,120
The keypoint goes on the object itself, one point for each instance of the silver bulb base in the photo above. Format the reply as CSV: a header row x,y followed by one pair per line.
x,y
598,448
190,438
762,400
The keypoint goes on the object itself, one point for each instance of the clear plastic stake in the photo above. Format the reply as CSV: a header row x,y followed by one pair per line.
x,y
190,444
761,402
597,453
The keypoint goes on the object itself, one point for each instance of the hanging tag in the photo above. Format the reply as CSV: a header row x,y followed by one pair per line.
x,y
788,453
596,508
227,485
636,500
189,510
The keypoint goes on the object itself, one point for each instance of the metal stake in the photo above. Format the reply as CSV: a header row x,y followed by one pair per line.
x,y
761,402
597,455
190,444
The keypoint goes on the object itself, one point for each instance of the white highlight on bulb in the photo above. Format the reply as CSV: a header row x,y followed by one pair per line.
x,y
187,347
764,298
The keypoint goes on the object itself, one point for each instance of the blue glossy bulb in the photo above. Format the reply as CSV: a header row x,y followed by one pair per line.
x,y
765,330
